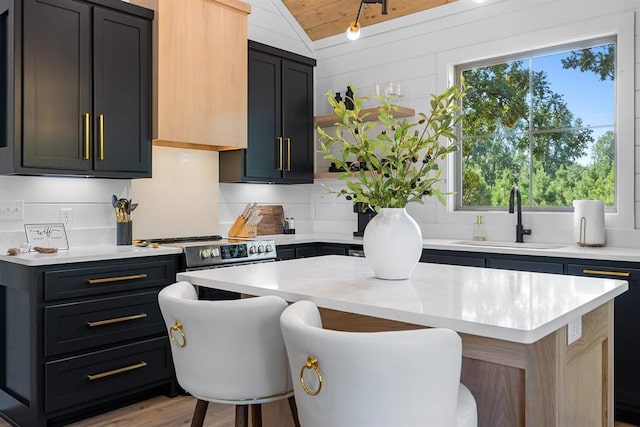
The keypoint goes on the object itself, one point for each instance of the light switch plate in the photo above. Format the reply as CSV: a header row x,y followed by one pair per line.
x,y
11,210
574,330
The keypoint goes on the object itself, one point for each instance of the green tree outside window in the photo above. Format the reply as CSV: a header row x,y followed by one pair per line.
x,y
519,128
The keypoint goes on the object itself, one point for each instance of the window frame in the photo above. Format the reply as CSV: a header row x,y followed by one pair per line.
x,y
620,24
527,56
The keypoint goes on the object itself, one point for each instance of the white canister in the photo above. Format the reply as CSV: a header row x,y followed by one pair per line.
x,y
588,222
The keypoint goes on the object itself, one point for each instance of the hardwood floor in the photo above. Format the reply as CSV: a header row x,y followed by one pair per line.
x,y
162,411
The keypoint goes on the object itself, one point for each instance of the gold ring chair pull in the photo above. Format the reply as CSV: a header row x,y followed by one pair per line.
x,y
177,327
312,363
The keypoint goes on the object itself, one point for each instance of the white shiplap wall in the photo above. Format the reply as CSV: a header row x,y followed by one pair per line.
x,y
418,50
271,23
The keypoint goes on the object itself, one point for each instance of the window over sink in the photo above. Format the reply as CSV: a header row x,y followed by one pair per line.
x,y
544,120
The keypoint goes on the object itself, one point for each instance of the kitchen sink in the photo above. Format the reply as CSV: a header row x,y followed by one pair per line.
x,y
497,244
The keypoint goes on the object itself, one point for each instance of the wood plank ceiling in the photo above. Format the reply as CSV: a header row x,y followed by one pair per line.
x,y
324,18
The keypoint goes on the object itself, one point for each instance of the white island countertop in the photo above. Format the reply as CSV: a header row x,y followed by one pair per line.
x,y
516,306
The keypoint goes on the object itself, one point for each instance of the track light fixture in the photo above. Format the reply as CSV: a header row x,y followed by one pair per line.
x,y
353,31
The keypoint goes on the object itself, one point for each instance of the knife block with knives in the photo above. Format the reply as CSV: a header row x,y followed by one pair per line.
x,y
246,224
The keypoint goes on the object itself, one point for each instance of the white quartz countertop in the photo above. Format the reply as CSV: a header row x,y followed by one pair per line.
x,y
88,253
515,306
560,250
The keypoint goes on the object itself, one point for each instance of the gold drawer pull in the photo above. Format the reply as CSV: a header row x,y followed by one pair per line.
x,y
312,363
116,371
116,320
116,279
608,273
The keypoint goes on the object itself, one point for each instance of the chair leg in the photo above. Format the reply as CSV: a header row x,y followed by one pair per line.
x,y
256,415
242,416
294,411
199,413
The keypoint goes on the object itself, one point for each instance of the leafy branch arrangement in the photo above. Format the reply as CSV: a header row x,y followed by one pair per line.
x,y
398,165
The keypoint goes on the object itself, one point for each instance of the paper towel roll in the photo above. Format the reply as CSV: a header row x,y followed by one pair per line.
x,y
588,222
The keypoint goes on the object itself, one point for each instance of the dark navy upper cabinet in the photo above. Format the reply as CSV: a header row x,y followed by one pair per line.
x,y
280,119
81,89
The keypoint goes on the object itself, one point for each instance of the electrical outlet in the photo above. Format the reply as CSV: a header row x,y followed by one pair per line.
x,y
66,217
574,330
11,210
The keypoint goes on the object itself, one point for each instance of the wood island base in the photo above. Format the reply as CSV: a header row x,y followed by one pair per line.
x,y
547,383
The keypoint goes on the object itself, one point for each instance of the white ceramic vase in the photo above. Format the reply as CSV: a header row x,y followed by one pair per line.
x,y
392,244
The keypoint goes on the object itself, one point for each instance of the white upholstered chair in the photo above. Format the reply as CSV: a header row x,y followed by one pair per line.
x,y
398,378
227,351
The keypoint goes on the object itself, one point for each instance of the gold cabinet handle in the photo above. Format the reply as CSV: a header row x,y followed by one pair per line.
x,y
288,155
87,128
101,125
92,377
607,273
116,279
116,320
280,153
312,363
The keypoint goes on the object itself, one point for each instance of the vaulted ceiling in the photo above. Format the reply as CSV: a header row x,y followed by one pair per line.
x,y
324,18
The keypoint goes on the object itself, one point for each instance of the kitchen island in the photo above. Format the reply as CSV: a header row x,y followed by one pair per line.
x,y
516,360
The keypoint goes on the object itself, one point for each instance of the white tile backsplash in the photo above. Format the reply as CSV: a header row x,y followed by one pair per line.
x,y
89,198
294,199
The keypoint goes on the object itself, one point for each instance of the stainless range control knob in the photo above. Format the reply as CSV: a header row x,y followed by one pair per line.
x,y
268,248
205,253
215,252
252,250
260,249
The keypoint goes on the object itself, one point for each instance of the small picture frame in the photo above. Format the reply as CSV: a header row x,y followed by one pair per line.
x,y
51,235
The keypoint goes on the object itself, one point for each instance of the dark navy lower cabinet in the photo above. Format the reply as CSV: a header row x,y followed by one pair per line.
x,y
533,264
83,338
469,259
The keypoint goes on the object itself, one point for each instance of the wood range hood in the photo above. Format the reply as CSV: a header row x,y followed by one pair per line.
x,y
199,73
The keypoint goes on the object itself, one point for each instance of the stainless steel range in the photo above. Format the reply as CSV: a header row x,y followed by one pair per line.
x,y
215,252
200,253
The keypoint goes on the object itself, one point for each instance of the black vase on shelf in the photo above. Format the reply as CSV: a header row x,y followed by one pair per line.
x,y
348,99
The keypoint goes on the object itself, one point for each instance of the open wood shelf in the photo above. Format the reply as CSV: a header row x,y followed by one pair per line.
x,y
330,119
327,175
